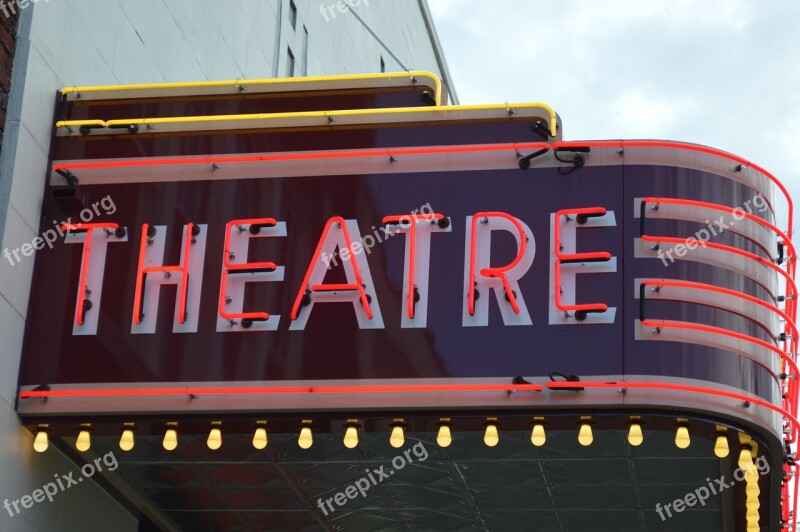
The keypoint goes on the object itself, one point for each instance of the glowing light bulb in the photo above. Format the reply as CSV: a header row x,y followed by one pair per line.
x,y
635,436
682,438
745,457
214,441
84,442
444,438
260,438
41,442
491,437
306,438
351,436
538,435
170,442
585,436
126,440
398,438
721,448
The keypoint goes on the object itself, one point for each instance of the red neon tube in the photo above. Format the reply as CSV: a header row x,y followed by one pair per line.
x,y
500,272
790,324
412,249
671,240
388,388
229,267
87,250
598,255
356,271
688,147
381,152
730,210
142,272
716,330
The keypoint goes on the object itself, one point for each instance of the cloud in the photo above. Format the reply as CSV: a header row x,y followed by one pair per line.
x,y
724,73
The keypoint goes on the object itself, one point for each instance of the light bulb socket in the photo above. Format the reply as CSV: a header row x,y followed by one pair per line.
x,y
398,423
128,426
352,423
537,421
491,421
170,425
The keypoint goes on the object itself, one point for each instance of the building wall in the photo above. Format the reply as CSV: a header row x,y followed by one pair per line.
x,y
105,42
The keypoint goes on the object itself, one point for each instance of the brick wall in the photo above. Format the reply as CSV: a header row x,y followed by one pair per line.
x,y
8,41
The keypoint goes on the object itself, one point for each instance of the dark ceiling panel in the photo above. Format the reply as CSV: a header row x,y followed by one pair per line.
x,y
467,486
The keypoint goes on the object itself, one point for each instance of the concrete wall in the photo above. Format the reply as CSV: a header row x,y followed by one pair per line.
x,y
103,42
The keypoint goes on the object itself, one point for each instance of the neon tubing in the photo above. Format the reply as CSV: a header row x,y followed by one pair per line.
x,y
576,257
87,250
689,147
142,272
234,85
702,204
389,388
500,273
271,157
358,285
412,249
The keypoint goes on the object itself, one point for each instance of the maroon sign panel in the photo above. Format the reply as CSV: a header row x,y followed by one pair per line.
x,y
424,251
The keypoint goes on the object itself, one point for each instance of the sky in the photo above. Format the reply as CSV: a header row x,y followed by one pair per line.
x,y
723,73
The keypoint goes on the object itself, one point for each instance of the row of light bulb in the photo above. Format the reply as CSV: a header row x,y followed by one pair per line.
x,y
752,490
444,436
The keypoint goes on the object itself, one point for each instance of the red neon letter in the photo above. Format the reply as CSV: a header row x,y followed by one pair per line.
x,y
481,275
564,244
237,236
90,283
313,290
418,245
151,253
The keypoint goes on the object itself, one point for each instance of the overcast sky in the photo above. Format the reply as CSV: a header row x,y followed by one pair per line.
x,y
724,73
